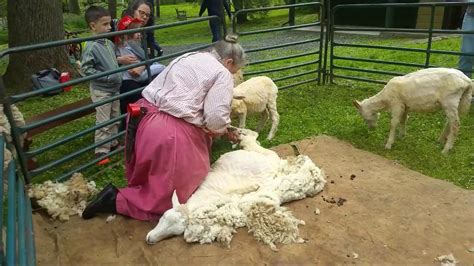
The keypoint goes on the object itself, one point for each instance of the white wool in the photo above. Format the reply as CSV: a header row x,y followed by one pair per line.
x,y
257,95
244,188
426,90
62,200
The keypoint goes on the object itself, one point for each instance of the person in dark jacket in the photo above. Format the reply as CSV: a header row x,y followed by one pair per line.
x,y
214,8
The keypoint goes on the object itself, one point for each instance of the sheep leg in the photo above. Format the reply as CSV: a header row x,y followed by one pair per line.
x,y
453,121
274,116
242,120
444,135
403,124
396,117
263,120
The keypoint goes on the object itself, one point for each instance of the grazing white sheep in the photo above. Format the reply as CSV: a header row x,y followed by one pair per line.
x,y
257,95
425,90
63,199
244,188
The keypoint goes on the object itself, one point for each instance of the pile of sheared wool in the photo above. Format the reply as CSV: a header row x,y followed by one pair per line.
x,y
63,199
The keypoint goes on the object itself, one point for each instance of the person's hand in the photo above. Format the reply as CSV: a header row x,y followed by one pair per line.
x,y
232,136
135,72
127,59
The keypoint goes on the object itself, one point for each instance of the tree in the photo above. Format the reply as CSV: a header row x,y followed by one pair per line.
x,y
32,22
113,8
74,7
158,11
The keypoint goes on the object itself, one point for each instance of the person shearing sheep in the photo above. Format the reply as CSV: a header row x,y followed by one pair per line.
x,y
186,105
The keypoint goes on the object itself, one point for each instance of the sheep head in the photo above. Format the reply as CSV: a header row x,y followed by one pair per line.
x,y
238,105
172,223
246,136
368,115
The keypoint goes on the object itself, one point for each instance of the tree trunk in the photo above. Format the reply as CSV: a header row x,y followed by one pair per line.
x,y
113,8
158,13
238,5
74,7
32,22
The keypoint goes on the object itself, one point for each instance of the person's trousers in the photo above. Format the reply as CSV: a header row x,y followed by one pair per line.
x,y
104,113
215,29
465,61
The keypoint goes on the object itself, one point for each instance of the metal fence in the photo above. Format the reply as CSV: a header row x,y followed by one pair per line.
x,y
314,62
18,247
336,60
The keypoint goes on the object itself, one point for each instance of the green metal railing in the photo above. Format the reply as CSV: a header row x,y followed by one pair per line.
x,y
17,131
315,62
428,50
19,247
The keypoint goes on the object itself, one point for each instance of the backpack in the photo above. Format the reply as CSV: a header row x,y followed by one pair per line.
x,y
46,78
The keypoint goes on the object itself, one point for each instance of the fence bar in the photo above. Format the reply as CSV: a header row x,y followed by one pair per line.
x,y
280,68
373,71
360,79
297,84
246,33
2,159
377,61
86,165
21,223
282,58
11,219
297,75
69,138
75,154
281,45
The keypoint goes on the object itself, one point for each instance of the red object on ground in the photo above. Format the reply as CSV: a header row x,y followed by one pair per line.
x,y
63,78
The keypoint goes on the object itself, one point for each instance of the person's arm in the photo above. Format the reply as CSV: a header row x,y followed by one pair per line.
x,y
227,8
88,62
217,105
203,7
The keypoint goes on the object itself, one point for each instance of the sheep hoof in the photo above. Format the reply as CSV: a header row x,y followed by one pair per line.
x,y
445,151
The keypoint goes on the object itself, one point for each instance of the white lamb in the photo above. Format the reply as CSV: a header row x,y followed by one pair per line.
x,y
257,95
425,90
244,188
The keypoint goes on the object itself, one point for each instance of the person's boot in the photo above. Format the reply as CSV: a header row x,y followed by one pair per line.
x,y
103,203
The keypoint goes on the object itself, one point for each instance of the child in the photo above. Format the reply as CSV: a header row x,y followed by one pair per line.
x,y
130,44
99,56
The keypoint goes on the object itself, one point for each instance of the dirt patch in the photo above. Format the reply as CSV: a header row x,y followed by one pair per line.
x,y
382,213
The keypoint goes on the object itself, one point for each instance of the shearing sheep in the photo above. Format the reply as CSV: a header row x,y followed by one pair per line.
x,y
257,95
63,199
426,90
244,188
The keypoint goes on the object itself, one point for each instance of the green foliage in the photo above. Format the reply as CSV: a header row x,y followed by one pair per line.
x,y
73,22
3,8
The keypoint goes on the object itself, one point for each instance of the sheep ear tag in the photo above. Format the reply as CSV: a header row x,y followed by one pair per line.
x,y
356,104
174,200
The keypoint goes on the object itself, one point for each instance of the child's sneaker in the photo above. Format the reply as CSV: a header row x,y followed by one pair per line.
x,y
105,160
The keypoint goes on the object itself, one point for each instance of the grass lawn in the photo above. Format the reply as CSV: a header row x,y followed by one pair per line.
x,y
306,110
